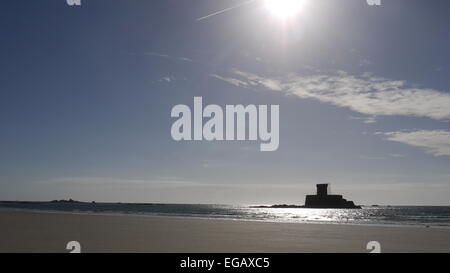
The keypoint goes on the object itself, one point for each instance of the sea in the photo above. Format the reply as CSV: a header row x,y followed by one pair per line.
x,y
429,216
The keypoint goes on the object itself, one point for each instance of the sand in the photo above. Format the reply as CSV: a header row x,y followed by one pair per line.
x,y
22,231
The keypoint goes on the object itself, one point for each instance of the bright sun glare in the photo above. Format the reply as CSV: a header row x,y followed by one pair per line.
x,y
284,9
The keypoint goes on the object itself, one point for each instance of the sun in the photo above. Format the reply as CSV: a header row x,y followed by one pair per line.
x,y
284,9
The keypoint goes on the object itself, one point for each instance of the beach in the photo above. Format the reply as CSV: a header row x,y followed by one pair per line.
x,y
23,231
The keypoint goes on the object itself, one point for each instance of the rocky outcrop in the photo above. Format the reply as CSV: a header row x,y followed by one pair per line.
x,y
324,200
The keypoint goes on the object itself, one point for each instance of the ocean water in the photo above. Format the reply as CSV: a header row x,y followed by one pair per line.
x,y
395,215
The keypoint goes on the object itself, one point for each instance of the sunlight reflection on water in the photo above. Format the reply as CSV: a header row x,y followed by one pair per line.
x,y
396,215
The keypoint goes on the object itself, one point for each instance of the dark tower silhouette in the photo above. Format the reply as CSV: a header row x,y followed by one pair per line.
x,y
324,200
322,189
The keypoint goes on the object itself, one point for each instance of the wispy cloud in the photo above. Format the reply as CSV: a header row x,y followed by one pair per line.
x,y
113,181
364,94
372,157
435,142
167,79
365,62
174,58
381,157
232,81
396,155
367,120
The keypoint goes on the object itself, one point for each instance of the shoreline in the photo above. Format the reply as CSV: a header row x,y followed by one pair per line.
x,y
49,232
223,218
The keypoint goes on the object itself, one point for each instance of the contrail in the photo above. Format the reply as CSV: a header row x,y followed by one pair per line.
x,y
224,10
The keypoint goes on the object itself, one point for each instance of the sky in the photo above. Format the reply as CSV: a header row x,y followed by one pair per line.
x,y
86,94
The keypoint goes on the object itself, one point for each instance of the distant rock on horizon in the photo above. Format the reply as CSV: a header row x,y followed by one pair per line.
x,y
322,200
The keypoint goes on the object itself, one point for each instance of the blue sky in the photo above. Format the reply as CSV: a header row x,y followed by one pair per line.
x,y
86,94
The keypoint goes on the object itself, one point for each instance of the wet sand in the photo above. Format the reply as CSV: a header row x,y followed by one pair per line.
x,y
22,231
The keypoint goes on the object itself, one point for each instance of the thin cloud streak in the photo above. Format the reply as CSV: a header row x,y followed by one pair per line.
x,y
224,10
155,54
